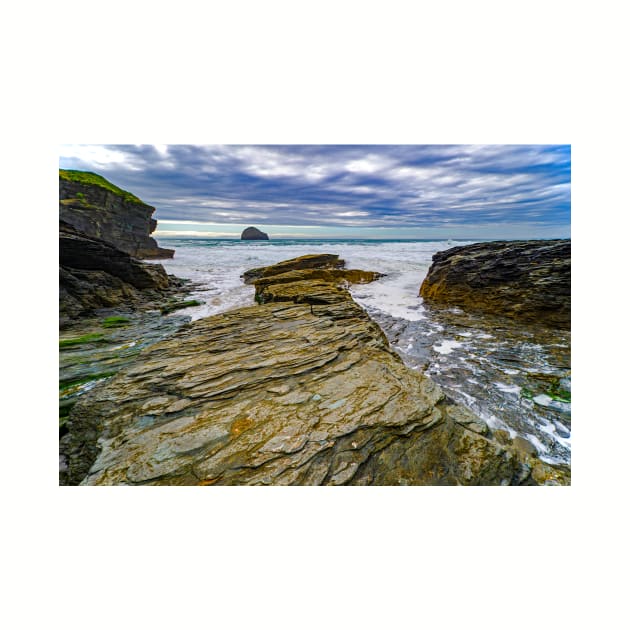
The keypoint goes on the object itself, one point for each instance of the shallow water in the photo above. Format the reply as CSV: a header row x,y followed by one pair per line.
x,y
515,377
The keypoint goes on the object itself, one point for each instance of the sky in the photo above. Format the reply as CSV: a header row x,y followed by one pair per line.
x,y
343,191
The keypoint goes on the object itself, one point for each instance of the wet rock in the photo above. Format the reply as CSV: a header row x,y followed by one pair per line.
x,y
310,261
501,436
93,274
319,279
254,234
282,393
525,280
524,446
101,210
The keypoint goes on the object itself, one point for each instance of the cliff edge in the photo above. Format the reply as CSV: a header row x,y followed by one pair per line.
x,y
99,209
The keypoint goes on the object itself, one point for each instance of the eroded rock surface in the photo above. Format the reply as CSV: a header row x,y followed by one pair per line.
x,y
284,393
525,280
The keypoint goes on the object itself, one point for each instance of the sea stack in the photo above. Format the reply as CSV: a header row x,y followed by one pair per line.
x,y
253,234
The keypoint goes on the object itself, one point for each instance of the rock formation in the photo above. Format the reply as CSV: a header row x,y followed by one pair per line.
x,y
310,261
100,209
311,279
94,274
253,234
285,393
525,280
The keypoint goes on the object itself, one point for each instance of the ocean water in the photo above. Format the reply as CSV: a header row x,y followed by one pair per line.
x,y
507,373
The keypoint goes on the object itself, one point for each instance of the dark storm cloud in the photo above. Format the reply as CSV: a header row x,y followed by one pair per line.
x,y
368,186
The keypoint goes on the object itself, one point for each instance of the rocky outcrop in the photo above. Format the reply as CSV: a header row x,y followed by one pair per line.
x,y
281,394
311,279
253,234
525,280
101,210
310,261
93,274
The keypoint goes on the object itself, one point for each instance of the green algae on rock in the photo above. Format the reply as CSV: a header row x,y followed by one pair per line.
x,y
115,321
178,305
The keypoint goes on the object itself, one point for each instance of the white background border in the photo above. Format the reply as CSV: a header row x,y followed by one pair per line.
x,y
325,72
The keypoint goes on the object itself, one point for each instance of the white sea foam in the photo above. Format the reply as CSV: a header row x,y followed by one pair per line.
x,y
219,265
551,430
447,346
540,447
508,389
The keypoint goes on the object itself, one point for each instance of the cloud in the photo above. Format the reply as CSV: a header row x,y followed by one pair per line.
x,y
370,186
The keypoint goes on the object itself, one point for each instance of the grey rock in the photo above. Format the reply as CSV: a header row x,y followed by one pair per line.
x,y
253,234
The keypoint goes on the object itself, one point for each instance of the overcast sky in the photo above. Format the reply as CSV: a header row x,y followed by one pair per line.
x,y
381,191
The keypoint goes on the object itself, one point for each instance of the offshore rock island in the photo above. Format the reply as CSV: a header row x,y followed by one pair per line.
x,y
300,388
254,234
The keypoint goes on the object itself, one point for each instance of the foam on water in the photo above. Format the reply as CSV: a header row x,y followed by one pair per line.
x,y
218,265
447,346
508,389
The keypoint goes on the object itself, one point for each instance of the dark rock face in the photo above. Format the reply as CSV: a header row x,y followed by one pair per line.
x,y
285,394
525,280
253,234
102,214
93,274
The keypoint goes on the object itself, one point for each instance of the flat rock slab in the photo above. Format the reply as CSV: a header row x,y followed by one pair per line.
x,y
283,394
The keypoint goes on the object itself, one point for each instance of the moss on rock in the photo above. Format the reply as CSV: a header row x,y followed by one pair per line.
x,y
92,179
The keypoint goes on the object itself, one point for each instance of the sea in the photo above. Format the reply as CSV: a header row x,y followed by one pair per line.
x,y
514,376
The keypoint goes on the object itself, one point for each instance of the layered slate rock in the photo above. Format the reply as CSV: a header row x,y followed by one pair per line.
x,y
311,279
93,274
253,234
310,261
525,280
101,210
284,393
